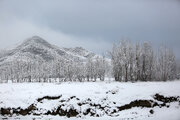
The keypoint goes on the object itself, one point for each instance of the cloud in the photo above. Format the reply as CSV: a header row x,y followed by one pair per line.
x,y
93,24
14,32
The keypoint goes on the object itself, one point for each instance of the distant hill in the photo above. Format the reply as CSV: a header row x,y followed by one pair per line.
x,y
36,48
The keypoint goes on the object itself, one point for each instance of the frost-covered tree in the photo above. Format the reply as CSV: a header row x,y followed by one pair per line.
x,y
123,61
147,62
166,68
137,67
89,69
139,62
79,71
100,67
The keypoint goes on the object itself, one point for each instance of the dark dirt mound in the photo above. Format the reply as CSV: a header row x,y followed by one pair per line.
x,y
6,111
165,99
72,112
49,98
18,111
59,111
137,103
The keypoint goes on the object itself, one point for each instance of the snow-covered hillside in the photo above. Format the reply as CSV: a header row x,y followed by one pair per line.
x,y
80,52
88,100
36,48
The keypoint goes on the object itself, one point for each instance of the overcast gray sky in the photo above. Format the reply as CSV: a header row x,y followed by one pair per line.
x,y
92,24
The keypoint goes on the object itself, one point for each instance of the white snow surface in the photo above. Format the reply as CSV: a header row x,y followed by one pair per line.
x,y
24,94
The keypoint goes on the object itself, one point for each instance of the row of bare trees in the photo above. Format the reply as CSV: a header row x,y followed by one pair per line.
x,y
140,62
56,70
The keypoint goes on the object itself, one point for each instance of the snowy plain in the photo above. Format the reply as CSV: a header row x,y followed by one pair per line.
x,y
22,95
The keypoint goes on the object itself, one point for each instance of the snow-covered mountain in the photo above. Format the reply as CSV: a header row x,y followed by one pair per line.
x,y
36,48
3,52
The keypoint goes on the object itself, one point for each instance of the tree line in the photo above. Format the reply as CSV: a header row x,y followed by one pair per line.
x,y
129,62
140,62
57,70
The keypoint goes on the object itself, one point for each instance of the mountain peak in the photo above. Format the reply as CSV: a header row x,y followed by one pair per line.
x,y
36,39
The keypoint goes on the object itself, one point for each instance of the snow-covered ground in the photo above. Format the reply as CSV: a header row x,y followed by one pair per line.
x,y
112,94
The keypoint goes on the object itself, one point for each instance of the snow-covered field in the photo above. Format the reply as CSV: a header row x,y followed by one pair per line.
x,y
108,95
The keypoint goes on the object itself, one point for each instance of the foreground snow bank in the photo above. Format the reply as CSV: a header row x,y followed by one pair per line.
x,y
100,93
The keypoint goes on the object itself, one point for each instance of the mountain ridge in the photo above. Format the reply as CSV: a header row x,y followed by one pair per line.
x,y
37,48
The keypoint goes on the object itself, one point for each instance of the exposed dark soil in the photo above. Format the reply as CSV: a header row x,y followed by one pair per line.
x,y
137,103
18,111
49,98
150,103
151,111
165,99
72,112
59,111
